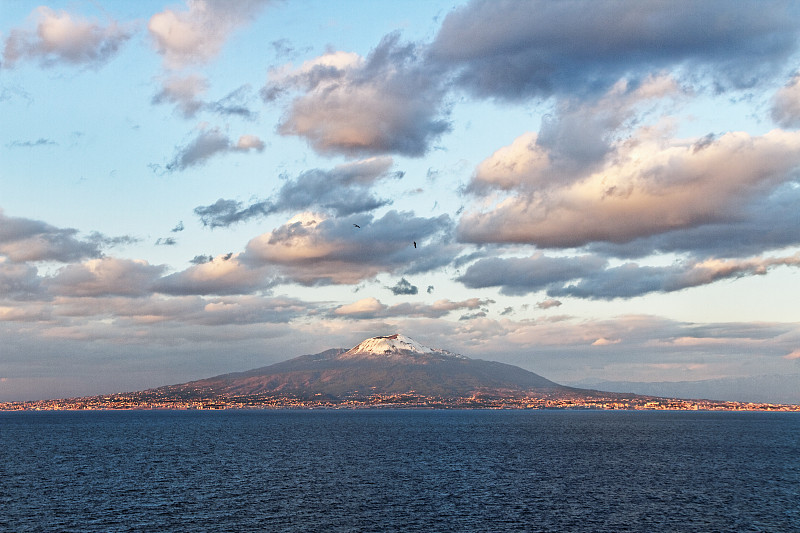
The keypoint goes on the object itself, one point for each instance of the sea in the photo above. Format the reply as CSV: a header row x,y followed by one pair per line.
x,y
399,470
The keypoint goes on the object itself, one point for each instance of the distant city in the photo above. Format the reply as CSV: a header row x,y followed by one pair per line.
x,y
147,400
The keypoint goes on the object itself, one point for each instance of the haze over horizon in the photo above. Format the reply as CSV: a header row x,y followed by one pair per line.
x,y
604,190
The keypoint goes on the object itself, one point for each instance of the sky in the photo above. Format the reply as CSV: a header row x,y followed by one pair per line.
x,y
585,189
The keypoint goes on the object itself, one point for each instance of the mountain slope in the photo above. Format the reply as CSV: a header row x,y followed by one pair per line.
x,y
393,364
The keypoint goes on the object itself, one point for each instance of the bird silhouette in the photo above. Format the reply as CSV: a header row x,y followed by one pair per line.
x,y
415,244
356,225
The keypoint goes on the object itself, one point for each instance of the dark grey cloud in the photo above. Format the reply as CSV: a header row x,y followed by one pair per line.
x,y
342,191
590,276
198,151
224,213
516,50
184,92
178,227
19,281
237,103
207,144
23,239
403,287
111,242
200,259
166,241
517,276
41,141
388,102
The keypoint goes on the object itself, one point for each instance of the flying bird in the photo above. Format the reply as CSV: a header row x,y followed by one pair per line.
x,y
356,225
415,244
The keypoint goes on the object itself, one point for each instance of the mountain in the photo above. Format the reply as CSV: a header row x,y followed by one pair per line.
x,y
386,365
760,389
393,371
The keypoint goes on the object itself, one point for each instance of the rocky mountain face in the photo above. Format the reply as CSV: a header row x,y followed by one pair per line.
x,y
393,364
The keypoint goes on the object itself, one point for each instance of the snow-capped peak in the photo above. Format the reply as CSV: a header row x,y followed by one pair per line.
x,y
394,345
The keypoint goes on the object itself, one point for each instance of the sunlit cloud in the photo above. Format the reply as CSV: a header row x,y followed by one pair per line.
x,y
106,277
63,38
313,249
372,308
786,104
197,34
224,274
649,184
381,104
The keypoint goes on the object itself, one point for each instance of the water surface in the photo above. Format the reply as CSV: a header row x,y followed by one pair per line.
x,y
376,470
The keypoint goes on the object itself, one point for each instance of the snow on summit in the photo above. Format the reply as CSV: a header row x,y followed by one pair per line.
x,y
395,345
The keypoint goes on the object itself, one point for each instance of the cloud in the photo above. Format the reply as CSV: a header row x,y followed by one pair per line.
x,y
517,276
196,35
364,308
386,103
591,277
548,304
184,92
223,275
342,191
236,104
249,142
106,277
224,213
62,38
518,50
575,139
209,143
200,259
18,281
372,308
602,341
31,144
312,249
647,185
766,223
403,287
786,104
23,239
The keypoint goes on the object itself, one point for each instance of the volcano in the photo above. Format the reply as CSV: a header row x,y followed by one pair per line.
x,y
385,365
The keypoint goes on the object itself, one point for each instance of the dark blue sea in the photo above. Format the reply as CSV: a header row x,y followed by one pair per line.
x,y
381,470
